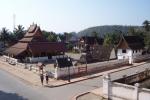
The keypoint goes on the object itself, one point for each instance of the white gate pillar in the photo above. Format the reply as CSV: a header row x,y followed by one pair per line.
x,y
136,92
106,86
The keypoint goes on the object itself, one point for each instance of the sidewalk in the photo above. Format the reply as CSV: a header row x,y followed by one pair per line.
x,y
97,94
34,79
92,95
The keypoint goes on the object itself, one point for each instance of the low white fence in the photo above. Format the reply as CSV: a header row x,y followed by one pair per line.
x,y
10,60
31,67
37,59
13,61
58,56
62,72
43,59
119,91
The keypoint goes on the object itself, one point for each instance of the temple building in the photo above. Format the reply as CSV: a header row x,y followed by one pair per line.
x,y
87,42
34,46
130,47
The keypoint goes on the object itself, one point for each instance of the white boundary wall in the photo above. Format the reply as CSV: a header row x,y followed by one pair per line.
x,y
141,57
119,91
37,59
61,72
34,59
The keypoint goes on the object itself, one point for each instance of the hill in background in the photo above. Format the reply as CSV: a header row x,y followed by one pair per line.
x,y
102,30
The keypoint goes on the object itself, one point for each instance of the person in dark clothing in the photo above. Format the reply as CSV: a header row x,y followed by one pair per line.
x,y
42,78
46,77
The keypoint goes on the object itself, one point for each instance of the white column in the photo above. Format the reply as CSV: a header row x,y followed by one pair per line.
x,y
106,86
130,59
136,90
56,74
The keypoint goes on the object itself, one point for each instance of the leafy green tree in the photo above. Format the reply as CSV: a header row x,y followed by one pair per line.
x,y
138,32
147,40
19,32
146,25
69,46
45,33
111,39
4,35
107,39
61,36
67,36
52,37
131,31
12,38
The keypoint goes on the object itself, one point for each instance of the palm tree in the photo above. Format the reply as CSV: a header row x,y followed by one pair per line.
x,y
146,25
19,32
4,35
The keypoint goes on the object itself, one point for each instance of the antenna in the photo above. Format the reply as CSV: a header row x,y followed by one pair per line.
x,y
14,21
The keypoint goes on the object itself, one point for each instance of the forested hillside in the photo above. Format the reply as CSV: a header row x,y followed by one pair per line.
x,y
101,30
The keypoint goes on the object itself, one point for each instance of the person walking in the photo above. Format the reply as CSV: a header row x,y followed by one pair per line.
x,y
46,77
42,78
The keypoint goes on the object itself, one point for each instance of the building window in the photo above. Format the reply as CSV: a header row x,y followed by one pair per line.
x,y
124,51
133,51
136,51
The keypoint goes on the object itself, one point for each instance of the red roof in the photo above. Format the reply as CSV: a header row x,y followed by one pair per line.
x,y
17,49
47,47
34,42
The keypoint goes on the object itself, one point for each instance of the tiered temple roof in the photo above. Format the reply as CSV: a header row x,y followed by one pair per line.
x,y
34,44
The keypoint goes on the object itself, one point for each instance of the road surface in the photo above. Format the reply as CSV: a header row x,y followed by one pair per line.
x,y
12,88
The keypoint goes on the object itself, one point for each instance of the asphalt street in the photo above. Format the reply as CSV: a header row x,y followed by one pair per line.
x,y
12,88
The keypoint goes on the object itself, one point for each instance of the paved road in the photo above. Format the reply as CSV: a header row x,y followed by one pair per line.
x,y
11,85
11,88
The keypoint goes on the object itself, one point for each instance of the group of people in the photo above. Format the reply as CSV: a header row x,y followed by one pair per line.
x,y
42,75
42,78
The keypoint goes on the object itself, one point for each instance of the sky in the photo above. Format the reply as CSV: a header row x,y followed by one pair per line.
x,y
72,15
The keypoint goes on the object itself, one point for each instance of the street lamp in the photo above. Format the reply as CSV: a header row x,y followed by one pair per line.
x,y
68,65
86,61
